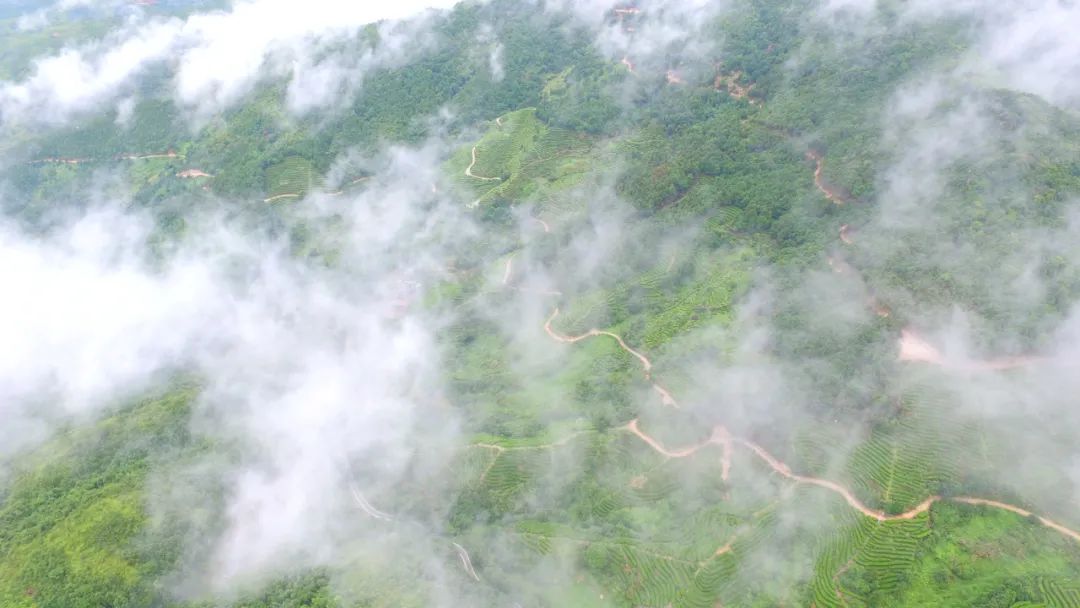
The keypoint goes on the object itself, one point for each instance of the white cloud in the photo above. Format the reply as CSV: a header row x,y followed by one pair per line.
x,y
1028,45
219,56
655,38
320,376
495,62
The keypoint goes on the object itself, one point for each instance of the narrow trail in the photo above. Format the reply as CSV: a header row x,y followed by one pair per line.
x,y
543,446
78,161
1049,523
509,269
629,65
61,161
366,506
279,197
465,561
913,348
721,436
169,154
830,193
665,396
358,180
845,235
469,173
547,229
645,363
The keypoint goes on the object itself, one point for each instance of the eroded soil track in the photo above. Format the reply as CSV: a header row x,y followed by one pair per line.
x,y
832,193
913,348
721,436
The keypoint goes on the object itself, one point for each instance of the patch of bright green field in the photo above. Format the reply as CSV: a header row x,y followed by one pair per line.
x,y
291,178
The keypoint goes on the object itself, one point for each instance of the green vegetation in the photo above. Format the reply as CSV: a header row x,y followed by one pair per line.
x,y
520,158
683,218
72,527
290,178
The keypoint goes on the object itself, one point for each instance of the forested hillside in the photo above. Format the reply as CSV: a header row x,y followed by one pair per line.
x,y
539,304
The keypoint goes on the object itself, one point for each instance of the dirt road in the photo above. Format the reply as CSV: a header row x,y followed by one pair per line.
x,y
831,193
469,173
720,436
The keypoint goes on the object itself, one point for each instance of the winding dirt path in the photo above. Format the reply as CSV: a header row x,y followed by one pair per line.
x,y
665,396
509,269
645,363
721,436
845,235
1049,523
831,193
846,494
543,224
913,348
79,161
366,506
61,161
469,173
169,154
542,446
465,561
279,197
